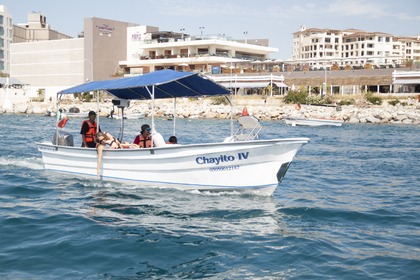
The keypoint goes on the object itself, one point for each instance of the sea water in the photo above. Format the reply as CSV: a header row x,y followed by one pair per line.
x,y
348,208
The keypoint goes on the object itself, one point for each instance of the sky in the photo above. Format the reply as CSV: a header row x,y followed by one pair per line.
x,y
275,20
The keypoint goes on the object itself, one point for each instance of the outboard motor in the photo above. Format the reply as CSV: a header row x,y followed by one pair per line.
x,y
64,139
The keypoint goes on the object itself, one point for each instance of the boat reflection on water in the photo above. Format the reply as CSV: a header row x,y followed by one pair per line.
x,y
205,214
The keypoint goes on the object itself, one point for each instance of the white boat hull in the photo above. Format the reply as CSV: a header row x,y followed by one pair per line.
x,y
251,166
312,122
77,115
129,117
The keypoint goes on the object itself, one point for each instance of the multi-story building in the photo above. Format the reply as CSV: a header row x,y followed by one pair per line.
x,y
6,32
36,29
149,49
410,47
49,66
318,48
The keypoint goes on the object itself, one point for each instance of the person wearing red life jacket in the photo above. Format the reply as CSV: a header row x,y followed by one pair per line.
x,y
89,130
144,139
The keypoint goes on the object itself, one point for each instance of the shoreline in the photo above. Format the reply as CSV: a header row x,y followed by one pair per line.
x,y
263,109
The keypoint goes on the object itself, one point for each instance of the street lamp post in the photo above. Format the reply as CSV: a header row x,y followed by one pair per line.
x,y
201,30
325,80
246,36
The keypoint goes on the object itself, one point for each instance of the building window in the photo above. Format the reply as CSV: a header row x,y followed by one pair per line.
x,y
183,52
202,51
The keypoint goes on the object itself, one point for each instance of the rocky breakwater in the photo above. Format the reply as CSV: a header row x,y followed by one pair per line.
x,y
363,114
350,114
262,109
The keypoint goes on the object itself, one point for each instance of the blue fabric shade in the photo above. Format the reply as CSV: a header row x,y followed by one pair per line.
x,y
166,83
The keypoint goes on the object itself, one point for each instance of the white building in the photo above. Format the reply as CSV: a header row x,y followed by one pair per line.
x,y
149,49
351,47
6,33
48,66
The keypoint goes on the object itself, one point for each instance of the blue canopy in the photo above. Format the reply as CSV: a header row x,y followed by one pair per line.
x,y
166,83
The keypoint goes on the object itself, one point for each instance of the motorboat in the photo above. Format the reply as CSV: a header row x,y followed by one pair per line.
x,y
132,116
241,162
298,121
77,115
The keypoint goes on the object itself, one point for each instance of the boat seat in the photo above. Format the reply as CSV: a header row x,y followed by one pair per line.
x,y
249,127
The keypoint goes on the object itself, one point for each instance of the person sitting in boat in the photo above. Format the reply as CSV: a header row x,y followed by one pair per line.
x,y
102,140
126,145
144,139
105,138
88,131
172,140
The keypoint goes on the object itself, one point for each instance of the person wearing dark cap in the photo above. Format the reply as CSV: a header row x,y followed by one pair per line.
x,y
144,139
172,140
89,130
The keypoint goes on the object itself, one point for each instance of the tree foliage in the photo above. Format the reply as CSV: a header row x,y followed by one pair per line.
x,y
296,97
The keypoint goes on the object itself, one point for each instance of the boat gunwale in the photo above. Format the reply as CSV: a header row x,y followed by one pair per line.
x,y
302,140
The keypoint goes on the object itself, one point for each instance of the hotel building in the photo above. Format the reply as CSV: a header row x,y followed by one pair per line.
x,y
315,48
149,49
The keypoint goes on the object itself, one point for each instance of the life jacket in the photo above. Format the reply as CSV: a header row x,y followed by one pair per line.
x,y
145,142
90,134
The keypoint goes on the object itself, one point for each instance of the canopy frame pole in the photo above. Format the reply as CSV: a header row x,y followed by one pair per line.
x,y
230,100
152,97
174,116
153,114
153,110
58,117
122,125
97,109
